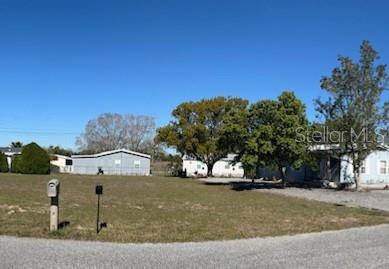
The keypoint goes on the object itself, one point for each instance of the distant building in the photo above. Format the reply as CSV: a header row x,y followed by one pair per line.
x,y
61,164
10,153
304,174
115,162
227,167
338,169
194,168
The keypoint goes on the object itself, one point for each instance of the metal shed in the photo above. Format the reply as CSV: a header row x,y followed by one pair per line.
x,y
115,162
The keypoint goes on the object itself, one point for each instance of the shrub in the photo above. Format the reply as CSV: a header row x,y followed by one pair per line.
x,y
3,163
34,160
16,164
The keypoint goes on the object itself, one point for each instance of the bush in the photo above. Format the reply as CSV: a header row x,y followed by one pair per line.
x,y
3,163
34,160
16,164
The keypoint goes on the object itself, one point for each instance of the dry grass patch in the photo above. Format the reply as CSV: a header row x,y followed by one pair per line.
x,y
157,209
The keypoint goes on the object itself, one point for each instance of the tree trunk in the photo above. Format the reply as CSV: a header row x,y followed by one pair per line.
x,y
209,166
283,177
356,179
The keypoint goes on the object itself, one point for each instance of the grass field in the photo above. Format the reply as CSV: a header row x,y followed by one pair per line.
x,y
156,209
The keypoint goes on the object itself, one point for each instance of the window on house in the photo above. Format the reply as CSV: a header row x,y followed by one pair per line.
x,y
69,162
199,166
383,167
137,164
363,167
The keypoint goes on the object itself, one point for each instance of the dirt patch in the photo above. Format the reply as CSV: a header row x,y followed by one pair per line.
x,y
80,228
18,209
136,207
197,206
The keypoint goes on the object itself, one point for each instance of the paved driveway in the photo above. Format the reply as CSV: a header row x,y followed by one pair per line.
x,y
355,248
223,180
378,199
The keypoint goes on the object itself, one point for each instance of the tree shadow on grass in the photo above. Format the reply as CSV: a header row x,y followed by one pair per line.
x,y
63,224
217,183
245,186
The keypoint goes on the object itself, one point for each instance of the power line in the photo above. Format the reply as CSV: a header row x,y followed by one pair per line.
x,y
37,133
24,131
38,130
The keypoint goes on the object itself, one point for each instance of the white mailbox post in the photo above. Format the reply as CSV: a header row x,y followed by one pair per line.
x,y
53,194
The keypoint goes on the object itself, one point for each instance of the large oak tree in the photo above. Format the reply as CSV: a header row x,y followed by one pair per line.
x,y
196,128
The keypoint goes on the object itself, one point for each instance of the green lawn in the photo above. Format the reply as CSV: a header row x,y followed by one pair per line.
x,y
157,209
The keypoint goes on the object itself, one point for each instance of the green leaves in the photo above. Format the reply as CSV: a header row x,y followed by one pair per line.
x,y
34,160
273,138
263,134
202,129
16,165
3,163
355,89
266,133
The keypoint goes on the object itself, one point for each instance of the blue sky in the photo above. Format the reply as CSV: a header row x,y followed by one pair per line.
x,y
65,62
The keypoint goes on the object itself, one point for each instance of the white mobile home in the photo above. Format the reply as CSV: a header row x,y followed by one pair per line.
x,y
227,167
194,168
115,162
61,164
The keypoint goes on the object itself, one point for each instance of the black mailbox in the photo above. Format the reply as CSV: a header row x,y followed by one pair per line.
x,y
99,189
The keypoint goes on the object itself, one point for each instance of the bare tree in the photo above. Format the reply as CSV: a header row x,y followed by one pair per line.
x,y
111,131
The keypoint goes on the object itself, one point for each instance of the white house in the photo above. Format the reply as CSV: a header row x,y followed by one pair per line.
x,y
61,164
10,153
228,168
225,167
374,172
194,168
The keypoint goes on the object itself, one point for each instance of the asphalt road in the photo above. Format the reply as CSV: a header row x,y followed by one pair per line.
x,y
354,248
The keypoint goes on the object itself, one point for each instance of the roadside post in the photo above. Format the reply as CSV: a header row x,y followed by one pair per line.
x,y
99,192
53,193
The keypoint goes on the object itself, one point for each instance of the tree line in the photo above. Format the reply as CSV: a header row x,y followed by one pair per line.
x,y
266,133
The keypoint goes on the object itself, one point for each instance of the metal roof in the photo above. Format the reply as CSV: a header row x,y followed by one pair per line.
x,y
62,156
335,147
10,150
112,152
